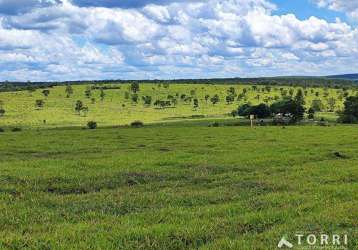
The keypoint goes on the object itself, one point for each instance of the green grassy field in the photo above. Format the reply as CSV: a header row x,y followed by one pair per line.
x,y
176,186
59,111
176,183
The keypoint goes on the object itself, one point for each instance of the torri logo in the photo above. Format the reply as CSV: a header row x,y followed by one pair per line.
x,y
323,241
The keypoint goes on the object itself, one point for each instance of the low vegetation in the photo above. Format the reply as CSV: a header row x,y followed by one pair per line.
x,y
176,187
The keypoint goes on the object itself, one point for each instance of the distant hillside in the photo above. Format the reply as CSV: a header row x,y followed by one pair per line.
x,y
304,81
353,77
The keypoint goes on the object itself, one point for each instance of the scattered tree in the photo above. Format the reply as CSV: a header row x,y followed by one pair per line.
x,y
92,125
102,94
317,105
215,99
88,92
39,104
147,100
46,92
134,98
78,106
69,91
134,87
331,104
196,103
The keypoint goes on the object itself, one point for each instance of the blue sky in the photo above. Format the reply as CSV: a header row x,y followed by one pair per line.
x,y
52,40
304,9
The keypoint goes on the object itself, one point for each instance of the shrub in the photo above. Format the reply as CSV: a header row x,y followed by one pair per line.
x,y
215,124
2,130
137,124
92,125
16,129
311,113
260,111
2,112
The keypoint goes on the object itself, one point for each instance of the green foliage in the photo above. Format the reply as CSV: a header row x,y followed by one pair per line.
x,y
147,100
260,111
137,124
135,87
92,125
290,107
88,92
102,94
39,103
311,112
134,98
46,92
196,103
16,129
317,105
69,91
2,112
350,112
79,106
215,99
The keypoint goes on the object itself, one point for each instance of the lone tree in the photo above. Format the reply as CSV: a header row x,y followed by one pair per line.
x,y
46,92
135,87
39,104
207,98
230,99
102,94
134,98
69,91
196,103
88,92
78,106
147,100
215,99
350,112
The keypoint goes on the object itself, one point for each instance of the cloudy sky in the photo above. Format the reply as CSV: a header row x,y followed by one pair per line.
x,y
127,39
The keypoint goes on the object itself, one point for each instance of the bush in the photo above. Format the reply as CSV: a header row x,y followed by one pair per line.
x,y
16,129
92,125
137,124
2,130
215,124
260,111
344,118
322,122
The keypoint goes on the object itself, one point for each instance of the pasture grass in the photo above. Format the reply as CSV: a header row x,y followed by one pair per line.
x,y
176,187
